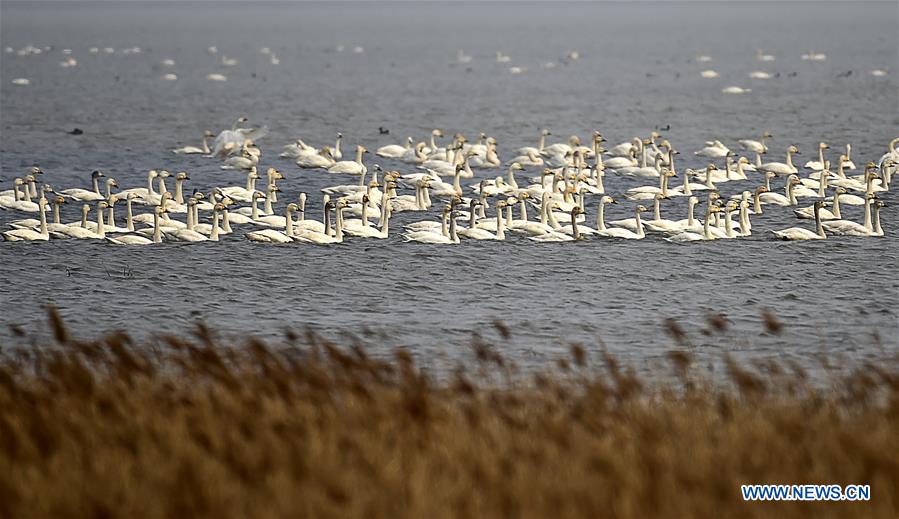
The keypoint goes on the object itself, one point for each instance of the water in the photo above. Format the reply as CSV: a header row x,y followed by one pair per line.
x,y
637,72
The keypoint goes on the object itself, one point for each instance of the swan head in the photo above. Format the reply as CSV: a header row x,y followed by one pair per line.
x,y
545,132
36,170
608,200
437,132
97,174
516,166
339,135
770,174
182,176
59,200
641,209
793,179
711,167
112,183
766,135
823,146
208,134
242,119
693,200
165,197
102,205
713,196
576,210
742,160
870,166
668,173
733,205
762,189
192,201
793,150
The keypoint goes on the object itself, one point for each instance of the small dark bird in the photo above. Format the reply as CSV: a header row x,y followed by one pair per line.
x,y
383,131
76,131
666,128
792,74
845,74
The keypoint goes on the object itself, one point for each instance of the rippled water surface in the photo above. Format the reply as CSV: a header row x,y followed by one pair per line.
x,y
637,72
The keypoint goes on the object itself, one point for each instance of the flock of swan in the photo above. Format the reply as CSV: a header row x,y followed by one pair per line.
x,y
464,191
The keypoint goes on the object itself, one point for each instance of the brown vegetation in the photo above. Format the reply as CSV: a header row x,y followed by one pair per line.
x,y
198,428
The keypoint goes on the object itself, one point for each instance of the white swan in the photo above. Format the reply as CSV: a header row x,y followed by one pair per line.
x,y
273,236
782,168
394,151
818,165
30,234
799,233
94,195
321,160
557,236
779,199
706,235
541,144
714,149
351,167
317,238
758,146
625,234
193,150
850,228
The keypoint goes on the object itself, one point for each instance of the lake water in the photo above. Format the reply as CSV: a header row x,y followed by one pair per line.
x,y
637,71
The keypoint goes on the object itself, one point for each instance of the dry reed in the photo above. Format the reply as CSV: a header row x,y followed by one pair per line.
x,y
194,427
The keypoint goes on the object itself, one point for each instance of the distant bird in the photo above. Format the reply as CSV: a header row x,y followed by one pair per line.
x,y
76,131
845,74
383,131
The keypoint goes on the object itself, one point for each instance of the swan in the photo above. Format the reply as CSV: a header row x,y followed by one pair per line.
x,y
541,144
556,236
735,90
303,224
143,195
531,158
433,238
317,238
850,228
649,192
136,239
273,236
761,56
394,151
621,163
296,149
24,204
85,195
782,168
626,149
235,138
779,199
188,233
758,146
416,155
489,160
364,230
708,74
625,234
673,226
706,235
193,150
818,165
473,232
30,234
245,160
714,149
799,233
431,225
243,194
808,213
321,160
351,167
561,148
82,232
111,227
35,223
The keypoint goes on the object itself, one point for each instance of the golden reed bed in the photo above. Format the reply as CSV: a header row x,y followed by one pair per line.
x,y
110,428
